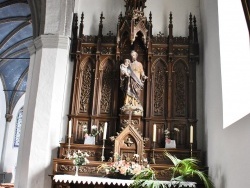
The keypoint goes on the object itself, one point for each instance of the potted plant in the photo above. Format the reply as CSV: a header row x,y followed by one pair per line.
x,y
187,168
181,171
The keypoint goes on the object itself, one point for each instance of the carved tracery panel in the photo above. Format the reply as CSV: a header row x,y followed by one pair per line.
x,y
180,89
106,89
159,88
86,88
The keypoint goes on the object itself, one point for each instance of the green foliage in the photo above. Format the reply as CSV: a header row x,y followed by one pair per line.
x,y
187,168
182,171
147,179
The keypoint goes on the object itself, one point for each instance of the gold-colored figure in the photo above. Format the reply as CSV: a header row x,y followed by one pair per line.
x,y
132,82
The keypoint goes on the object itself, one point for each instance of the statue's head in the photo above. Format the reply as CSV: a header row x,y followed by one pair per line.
x,y
134,55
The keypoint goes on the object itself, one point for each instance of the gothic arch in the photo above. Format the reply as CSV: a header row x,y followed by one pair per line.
x,y
180,60
157,61
85,61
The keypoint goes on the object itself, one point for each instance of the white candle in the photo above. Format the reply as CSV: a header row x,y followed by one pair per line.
x,y
105,130
70,129
191,134
154,133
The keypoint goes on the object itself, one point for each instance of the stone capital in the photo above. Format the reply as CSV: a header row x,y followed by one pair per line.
x,y
51,41
8,117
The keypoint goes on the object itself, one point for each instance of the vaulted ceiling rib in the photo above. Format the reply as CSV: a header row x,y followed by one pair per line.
x,y
16,35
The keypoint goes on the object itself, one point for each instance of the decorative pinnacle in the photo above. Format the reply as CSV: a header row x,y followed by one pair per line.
x,y
120,17
194,21
101,18
190,19
170,18
82,17
150,17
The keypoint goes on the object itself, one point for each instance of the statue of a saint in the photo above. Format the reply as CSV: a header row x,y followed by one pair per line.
x,y
132,82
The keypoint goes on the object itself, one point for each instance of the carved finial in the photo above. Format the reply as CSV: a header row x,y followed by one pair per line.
x,y
194,21
150,17
190,19
82,17
101,18
81,25
170,18
120,17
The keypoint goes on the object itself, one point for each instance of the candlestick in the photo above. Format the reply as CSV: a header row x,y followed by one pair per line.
x,y
154,133
191,134
69,151
105,131
70,129
153,157
103,147
191,150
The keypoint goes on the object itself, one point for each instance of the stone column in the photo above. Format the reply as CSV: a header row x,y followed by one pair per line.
x,y
45,110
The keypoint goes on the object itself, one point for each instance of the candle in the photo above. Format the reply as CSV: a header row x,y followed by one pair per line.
x,y
105,130
70,129
154,133
191,134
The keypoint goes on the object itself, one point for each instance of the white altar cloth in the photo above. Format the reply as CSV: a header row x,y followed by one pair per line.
x,y
102,180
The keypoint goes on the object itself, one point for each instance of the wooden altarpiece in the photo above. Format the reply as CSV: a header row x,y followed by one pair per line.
x,y
168,97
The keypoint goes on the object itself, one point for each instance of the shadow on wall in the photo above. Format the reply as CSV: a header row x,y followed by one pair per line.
x,y
219,179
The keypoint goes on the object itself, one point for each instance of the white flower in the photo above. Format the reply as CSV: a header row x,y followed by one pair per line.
x,y
136,156
177,130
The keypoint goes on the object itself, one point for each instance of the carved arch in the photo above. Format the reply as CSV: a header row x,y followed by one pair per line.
x,y
104,62
180,60
156,61
85,61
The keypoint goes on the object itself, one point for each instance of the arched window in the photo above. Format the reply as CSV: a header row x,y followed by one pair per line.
x,y
19,121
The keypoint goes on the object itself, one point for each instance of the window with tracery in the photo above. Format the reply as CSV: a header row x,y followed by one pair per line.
x,y
18,128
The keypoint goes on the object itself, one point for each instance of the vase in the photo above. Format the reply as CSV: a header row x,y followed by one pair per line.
x,y
77,169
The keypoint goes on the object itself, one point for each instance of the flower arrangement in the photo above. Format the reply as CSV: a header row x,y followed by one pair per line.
x,y
124,168
167,133
80,158
93,132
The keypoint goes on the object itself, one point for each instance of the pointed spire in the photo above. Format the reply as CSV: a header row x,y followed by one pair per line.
x,y
170,26
150,17
196,43
120,17
171,18
190,28
101,18
81,26
101,25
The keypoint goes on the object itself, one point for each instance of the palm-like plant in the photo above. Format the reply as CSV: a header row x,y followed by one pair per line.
x,y
146,178
187,168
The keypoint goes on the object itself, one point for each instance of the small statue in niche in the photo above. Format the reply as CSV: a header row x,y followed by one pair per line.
x,y
132,82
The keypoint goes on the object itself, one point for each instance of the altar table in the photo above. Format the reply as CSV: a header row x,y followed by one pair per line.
x,y
69,180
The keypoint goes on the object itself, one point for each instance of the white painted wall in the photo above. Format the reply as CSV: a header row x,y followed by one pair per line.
x,y
159,8
2,118
227,149
235,58
11,152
